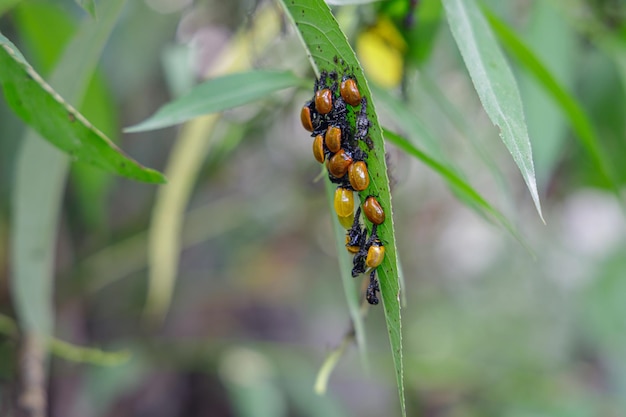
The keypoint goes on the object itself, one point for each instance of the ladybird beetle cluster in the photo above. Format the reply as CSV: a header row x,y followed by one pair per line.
x,y
337,143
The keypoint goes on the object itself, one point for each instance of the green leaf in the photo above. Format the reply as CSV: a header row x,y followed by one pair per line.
x,y
45,29
218,94
41,107
329,50
89,6
41,169
164,246
494,83
578,118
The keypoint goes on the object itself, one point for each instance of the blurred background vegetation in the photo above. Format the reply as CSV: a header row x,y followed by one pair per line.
x,y
489,328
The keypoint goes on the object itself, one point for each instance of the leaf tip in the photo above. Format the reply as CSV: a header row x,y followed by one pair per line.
x,y
134,128
541,216
532,186
161,179
144,126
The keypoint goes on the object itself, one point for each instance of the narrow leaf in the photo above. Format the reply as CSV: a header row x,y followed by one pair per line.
x,y
41,169
54,119
494,83
329,50
578,118
45,28
323,375
218,94
164,244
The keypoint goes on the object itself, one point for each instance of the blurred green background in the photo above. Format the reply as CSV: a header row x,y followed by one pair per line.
x,y
489,328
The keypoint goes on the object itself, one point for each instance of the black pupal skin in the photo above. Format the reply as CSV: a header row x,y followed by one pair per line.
x,y
343,181
358,262
372,289
339,111
362,122
357,234
321,82
358,154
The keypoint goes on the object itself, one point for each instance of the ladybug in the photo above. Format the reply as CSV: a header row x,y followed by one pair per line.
x,y
350,91
305,117
333,139
323,101
375,255
318,149
339,163
358,175
344,202
373,211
